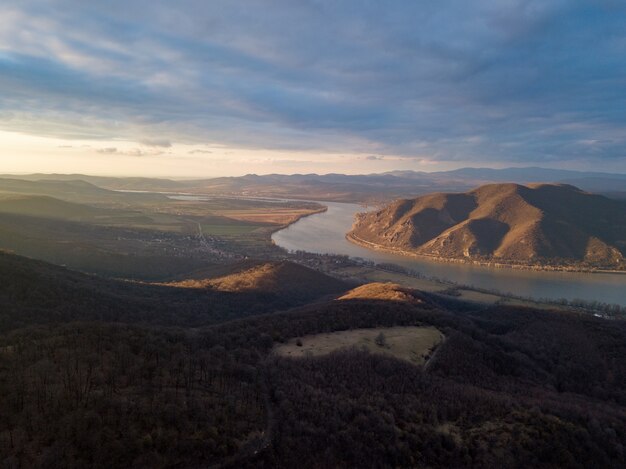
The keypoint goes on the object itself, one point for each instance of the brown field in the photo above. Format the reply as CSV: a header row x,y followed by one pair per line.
x,y
278,216
406,343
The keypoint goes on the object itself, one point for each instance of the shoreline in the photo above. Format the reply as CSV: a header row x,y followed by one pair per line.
x,y
273,230
498,265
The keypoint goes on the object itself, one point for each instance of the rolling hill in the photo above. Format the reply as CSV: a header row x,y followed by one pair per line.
x,y
537,224
72,190
113,376
36,292
270,277
333,187
48,207
383,291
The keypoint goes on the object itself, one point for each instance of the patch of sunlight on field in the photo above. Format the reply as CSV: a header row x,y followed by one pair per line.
x,y
414,344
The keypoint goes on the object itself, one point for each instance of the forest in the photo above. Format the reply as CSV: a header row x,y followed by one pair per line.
x,y
508,387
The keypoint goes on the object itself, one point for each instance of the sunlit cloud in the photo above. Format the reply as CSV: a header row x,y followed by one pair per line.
x,y
156,143
480,83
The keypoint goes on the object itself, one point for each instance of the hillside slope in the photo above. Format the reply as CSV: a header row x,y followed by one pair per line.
x,y
508,387
507,223
275,278
35,292
48,207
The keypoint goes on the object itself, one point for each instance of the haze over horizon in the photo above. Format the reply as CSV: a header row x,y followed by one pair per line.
x,y
197,89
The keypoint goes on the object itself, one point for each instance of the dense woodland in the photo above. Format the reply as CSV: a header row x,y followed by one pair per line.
x,y
34,293
509,387
97,372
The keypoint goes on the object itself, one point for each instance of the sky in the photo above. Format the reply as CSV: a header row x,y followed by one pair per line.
x,y
228,87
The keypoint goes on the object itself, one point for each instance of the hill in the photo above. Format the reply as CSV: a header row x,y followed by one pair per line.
x,y
35,292
333,187
540,224
268,277
508,387
73,190
383,291
48,207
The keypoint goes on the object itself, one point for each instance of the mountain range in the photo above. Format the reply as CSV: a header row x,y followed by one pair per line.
x,y
337,187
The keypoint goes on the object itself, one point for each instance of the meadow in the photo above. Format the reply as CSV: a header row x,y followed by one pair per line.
x,y
414,344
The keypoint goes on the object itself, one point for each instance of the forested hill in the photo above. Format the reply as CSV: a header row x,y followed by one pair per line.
x,y
104,373
508,387
36,292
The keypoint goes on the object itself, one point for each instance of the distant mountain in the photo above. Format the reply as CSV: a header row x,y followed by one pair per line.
x,y
508,223
68,188
529,174
48,207
335,187
610,184
112,183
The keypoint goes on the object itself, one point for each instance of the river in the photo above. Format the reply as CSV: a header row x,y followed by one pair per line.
x,y
324,233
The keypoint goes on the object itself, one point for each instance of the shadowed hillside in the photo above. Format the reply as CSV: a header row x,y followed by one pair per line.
x,y
49,207
508,223
70,189
35,292
508,387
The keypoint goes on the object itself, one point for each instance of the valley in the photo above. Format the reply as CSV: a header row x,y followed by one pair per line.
x,y
312,234
196,330
325,234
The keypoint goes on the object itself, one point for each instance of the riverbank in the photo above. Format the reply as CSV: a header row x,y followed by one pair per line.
x,y
498,265
296,219
324,235
364,272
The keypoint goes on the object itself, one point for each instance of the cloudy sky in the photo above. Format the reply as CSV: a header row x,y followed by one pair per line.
x,y
216,87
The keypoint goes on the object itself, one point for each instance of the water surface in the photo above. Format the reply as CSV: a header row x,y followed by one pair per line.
x,y
324,233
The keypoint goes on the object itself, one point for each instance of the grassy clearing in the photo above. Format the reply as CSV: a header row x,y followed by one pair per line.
x,y
407,343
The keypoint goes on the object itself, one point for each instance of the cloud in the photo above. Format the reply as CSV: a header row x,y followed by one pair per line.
x,y
516,81
107,151
129,151
156,143
194,152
